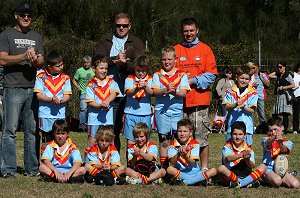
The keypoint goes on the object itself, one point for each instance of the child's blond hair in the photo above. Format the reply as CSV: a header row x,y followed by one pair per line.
x,y
102,60
168,50
105,132
139,128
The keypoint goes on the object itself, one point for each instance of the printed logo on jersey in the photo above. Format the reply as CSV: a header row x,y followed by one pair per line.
x,y
182,59
197,58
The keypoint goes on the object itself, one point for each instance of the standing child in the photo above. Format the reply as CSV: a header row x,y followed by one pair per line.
x,y
81,78
53,90
104,159
61,161
170,87
238,160
273,145
183,154
138,91
241,102
101,91
141,158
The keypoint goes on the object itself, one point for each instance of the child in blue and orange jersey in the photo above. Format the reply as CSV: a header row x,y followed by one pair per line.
x,y
53,90
61,161
273,145
241,102
238,160
100,93
170,87
138,91
183,154
104,156
143,152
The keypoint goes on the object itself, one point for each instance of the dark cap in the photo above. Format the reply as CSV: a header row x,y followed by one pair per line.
x,y
23,8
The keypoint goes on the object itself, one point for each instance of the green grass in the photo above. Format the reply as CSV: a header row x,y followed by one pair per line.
x,y
31,187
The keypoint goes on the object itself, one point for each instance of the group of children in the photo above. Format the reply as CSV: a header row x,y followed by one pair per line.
x,y
179,152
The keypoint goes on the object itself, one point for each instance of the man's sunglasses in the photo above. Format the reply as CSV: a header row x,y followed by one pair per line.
x,y
122,25
22,15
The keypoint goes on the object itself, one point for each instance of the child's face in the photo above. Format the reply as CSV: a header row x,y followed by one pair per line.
x,y
60,137
184,134
104,143
275,130
101,71
140,72
237,137
56,69
140,140
86,64
243,80
168,62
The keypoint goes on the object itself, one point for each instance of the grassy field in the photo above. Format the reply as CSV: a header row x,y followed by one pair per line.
x,y
32,187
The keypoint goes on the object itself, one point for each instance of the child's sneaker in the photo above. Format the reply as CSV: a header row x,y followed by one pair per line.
x,y
176,181
236,185
120,181
131,180
254,184
157,182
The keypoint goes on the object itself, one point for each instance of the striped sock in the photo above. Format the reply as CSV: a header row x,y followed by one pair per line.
x,y
232,177
115,174
164,161
94,171
255,175
177,174
144,179
52,175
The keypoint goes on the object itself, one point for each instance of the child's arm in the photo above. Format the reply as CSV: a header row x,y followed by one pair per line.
x,y
231,158
181,93
230,107
48,163
174,159
64,99
41,97
146,156
249,110
160,91
246,156
135,155
75,83
98,166
109,99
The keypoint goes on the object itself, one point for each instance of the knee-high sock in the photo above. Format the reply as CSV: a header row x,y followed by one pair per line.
x,y
250,178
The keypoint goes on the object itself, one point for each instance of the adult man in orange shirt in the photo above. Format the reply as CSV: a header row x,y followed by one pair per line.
x,y
198,60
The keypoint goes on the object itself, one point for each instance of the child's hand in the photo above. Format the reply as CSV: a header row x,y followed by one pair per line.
x,y
105,105
106,166
278,136
55,100
141,84
183,150
171,88
57,175
240,104
246,154
65,177
136,152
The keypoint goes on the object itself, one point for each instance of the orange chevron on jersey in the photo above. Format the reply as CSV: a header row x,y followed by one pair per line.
x,y
251,92
166,80
102,92
63,158
190,145
53,85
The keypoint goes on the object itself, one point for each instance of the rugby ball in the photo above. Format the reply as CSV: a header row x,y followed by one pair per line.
x,y
281,165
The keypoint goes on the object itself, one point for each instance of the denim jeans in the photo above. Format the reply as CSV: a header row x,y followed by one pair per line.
x,y
15,102
83,110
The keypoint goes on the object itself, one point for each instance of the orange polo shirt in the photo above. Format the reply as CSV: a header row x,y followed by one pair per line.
x,y
196,61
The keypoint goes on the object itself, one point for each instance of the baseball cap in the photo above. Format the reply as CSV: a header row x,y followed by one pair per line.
x,y
23,8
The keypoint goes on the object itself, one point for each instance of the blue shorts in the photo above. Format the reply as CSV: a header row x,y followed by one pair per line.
x,y
167,122
45,124
248,139
270,168
93,129
131,121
